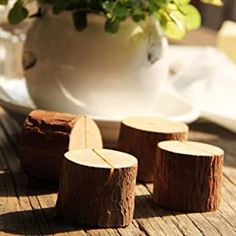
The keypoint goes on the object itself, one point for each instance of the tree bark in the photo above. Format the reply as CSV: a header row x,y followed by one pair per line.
x,y
46,136
139,137
188,176
97,188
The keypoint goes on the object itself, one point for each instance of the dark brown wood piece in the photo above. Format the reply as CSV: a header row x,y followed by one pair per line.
x,y
188,176
97,188
139,137
46,136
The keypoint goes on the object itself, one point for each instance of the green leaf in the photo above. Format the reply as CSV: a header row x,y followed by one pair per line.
x,y
107,6
112,26
179,19
174,31
193,17
175,16
171,7
3,2
18,13
138,18
80,20
182,2
120,11
173,23
138,15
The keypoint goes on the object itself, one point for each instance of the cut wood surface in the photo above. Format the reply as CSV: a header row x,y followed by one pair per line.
x,y
97,188
27,206
46,136
188,176
139,136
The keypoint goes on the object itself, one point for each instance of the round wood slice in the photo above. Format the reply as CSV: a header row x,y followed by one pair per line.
x,y
47,136
97,188
188,176
139,136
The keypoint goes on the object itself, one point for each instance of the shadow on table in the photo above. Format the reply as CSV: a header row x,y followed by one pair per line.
x,y
43,187
34,222
21,186
214,134
146,208
209,127
45,222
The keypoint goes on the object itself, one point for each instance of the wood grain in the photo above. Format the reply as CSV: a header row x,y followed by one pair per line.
x,y
97,188
46,136
139,137
27,207
188,176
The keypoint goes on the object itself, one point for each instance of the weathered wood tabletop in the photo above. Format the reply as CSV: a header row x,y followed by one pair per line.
x,y
27,207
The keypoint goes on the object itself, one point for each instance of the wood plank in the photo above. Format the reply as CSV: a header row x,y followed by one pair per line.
x,y
230,174
9,203
210,132
32,206
10,127
203,226
219,223
20,186
228,205
23,200
133,230
44,203
228,214
168,223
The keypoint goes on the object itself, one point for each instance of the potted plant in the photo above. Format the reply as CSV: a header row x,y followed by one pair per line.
x,y
101,57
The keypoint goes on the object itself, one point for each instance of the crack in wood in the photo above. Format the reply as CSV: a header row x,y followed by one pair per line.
x,y
228,222
199,229
107,162
213,225
142,228
229,179
10,174
41,208
14,176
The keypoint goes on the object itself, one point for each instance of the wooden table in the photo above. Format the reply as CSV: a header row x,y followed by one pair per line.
x,y
27,206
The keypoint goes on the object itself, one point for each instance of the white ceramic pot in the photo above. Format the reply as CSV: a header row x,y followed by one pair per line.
x,y
93,72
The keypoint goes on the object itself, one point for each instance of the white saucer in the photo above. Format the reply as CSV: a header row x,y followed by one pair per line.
x,y
171,107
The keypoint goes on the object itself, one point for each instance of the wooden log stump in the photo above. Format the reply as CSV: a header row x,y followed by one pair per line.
x,y
46,136
97,188
139,137
188,176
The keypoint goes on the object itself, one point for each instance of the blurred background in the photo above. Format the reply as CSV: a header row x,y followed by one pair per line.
x,y
213,17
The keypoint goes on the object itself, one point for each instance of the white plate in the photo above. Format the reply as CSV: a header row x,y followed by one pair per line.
x,y
171,106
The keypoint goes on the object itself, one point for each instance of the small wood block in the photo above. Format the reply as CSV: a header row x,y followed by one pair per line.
x,y
97,188
46,136
139,137
188,176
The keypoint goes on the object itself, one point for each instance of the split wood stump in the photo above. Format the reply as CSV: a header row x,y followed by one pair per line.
x,y
47,136
139,137
97,188
188,176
